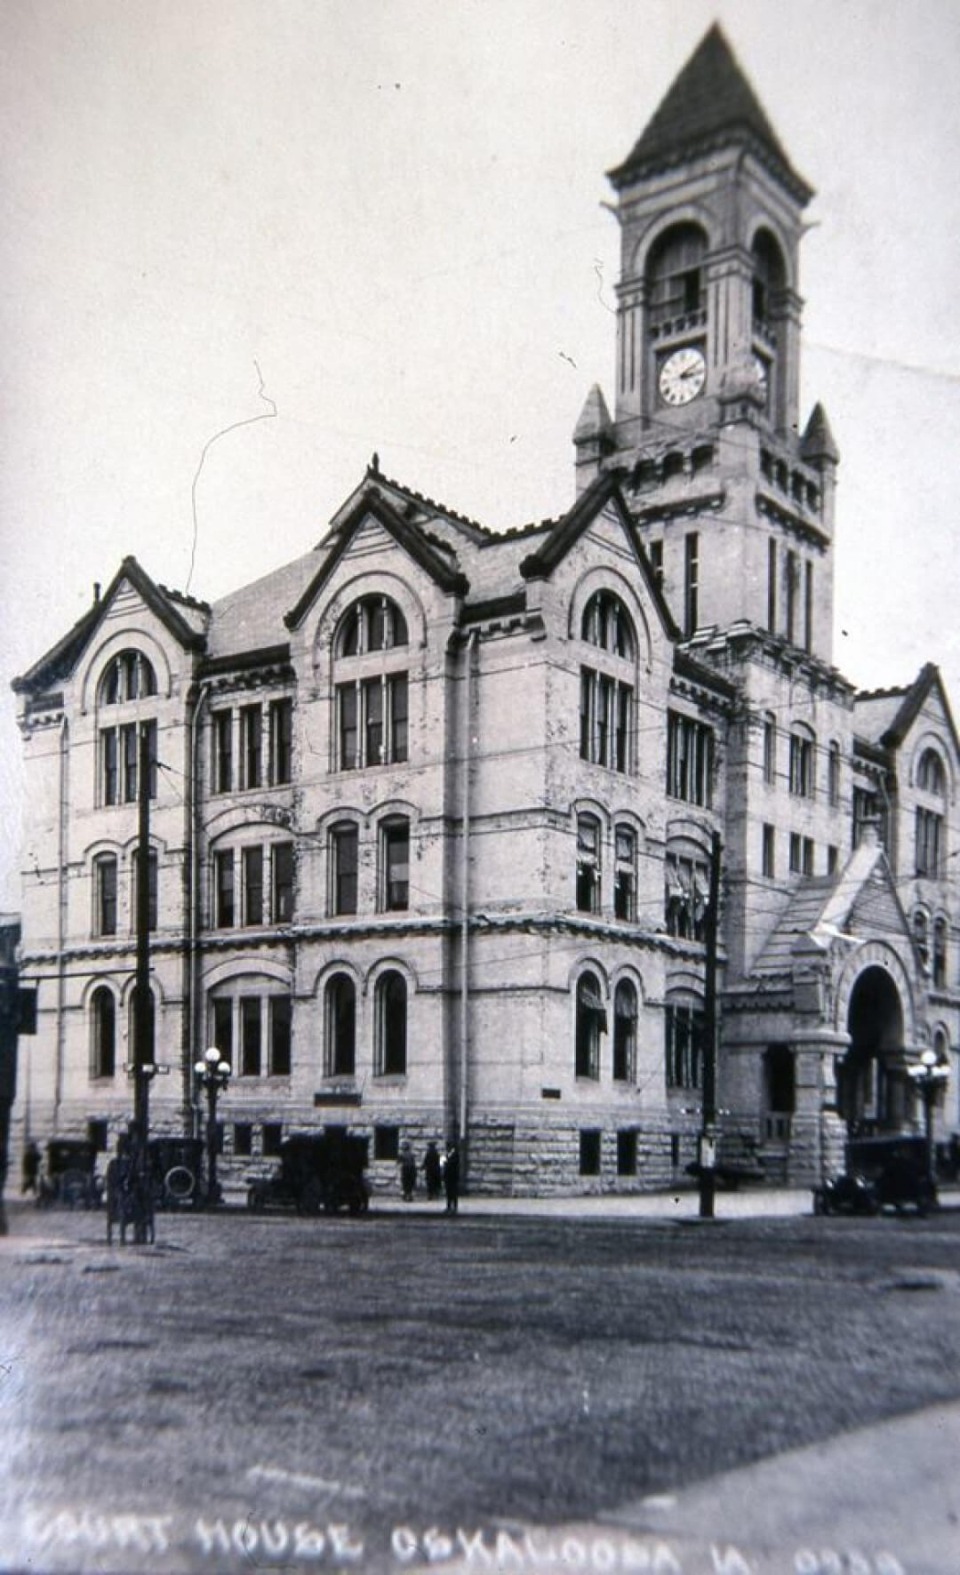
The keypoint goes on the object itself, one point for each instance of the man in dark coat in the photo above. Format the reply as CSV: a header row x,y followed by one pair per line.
x,y
451,1178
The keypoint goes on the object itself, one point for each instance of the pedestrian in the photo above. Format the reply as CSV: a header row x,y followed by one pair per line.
x,y
408,1172
451,1178
30,1169
432,1172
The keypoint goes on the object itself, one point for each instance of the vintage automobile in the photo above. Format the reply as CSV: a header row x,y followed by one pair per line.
x,y
881,1172
177,1172
70,1174
318,1172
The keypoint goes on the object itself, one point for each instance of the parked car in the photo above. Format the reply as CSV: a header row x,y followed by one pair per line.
x,y
881,1172
176,1172
70,1174
322,1171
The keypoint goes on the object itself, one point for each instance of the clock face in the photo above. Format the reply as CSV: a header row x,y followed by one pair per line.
x,y
682,376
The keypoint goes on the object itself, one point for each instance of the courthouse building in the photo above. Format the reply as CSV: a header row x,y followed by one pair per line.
x,y
431,808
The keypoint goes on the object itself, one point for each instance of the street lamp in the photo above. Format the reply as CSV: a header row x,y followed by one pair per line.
x,y
928,1076
213,1074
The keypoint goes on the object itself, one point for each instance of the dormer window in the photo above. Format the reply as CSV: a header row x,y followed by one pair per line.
x,y
128,676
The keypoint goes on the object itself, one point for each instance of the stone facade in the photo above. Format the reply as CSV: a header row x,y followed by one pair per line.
x,y
432,811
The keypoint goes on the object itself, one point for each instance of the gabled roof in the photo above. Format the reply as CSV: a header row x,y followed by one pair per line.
x,y
824,909
565,532
371,502
169,607
895,710
710,104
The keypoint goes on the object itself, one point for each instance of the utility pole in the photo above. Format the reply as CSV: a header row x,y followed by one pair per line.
x,y
708,1135
143,1051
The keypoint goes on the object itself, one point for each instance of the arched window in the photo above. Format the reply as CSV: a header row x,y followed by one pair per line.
x,y
103,1033
128,676
930,823
149,1029
105,894
675,279
588,864
373,623
803,749
607,623
768,281
931,777
625,1032
390,1059
921,938
371,699
591,1023
340,1047
939,953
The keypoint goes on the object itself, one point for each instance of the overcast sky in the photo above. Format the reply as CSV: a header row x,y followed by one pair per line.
x,y
394,210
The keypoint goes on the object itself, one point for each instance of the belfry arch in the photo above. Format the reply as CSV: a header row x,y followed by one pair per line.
x,y
870,1077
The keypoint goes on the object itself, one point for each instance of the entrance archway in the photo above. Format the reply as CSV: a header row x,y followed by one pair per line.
x,y
869,1095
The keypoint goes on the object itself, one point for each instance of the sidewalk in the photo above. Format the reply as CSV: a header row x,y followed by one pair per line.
x,y
750,1203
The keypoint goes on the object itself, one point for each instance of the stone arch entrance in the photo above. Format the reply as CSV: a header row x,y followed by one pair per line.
x,y
870,1079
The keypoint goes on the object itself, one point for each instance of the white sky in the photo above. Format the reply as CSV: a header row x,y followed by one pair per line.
x,y
393,208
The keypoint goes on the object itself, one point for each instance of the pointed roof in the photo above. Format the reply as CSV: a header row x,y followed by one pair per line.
x,y
565,532
824,909
370,502
710,103
817,443
898,709
594,420
171,609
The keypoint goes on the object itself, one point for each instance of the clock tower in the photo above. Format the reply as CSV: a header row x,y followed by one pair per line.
x,y
734,504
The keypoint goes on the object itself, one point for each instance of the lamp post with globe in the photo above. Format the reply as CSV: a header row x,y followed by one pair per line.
x,y
213,1075
928,1075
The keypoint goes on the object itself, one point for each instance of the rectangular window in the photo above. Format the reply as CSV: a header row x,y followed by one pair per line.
x,y
252,862
272,1138
689,759
251,1036
396,866
223,889
386,1142
833,774
222,725
606,713
769,750
105,875
790,586
772,586
808,606
833,859
281,882
280,741
281,1023
801,854
120,761
344,864
928,843
242,1139
626,1153
251,745
691,583
223,1029
769,851
655,553
372,722
109,773
590,1153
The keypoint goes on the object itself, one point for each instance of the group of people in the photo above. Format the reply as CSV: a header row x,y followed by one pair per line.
x,y
441,1173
